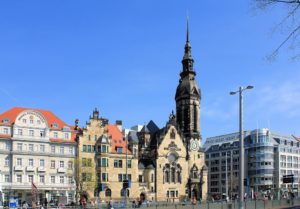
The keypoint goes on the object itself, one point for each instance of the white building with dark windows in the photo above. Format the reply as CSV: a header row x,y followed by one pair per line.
x,y
36,147
269,156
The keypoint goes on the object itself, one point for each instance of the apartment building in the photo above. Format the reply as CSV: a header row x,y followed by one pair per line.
x,y
36,147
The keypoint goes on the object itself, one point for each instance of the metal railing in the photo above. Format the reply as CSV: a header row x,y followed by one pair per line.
x,y
249,204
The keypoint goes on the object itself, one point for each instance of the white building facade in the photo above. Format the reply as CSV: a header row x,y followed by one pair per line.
x,y
36,147
269,156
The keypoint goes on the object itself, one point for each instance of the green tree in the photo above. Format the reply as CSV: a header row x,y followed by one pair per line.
x,y
86,178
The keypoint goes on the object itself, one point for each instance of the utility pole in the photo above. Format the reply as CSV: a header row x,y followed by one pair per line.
x,y
126,164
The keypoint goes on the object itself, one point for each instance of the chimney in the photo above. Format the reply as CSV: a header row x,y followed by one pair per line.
x,y
119,124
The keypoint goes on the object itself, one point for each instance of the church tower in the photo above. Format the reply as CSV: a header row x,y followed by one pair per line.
x,y
188,98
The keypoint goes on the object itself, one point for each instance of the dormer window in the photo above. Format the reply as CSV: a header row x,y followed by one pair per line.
x,y
31,121
5,120
54,125
66,128
38,122
24,120
119,149
66,136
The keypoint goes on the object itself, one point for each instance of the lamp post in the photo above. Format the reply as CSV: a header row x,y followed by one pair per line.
x,y
226,176
241,182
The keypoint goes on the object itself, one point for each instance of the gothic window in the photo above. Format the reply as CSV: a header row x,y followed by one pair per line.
x,y
195,117
178,177
186,118
173,134
173,175
167,176
194,172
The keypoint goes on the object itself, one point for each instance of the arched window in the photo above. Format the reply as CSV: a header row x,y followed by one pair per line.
x,y
173,175
178,176
195,117
173,134
195,174
108,193
167,176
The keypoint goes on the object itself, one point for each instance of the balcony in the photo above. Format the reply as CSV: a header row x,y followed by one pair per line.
x,y
30,168
61,170
41,169
18,168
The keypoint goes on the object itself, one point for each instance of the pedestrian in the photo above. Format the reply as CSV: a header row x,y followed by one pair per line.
x,y
83,201
24,205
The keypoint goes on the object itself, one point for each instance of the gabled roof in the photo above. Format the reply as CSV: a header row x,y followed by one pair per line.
x,y
152,127
117,139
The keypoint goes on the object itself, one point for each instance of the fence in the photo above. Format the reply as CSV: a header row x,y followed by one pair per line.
x,y
251,204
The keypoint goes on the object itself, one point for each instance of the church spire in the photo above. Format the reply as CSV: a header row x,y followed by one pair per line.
x,y
188,95
187,61
187,31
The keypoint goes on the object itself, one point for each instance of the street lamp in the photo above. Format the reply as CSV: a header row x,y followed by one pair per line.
x,y
241,183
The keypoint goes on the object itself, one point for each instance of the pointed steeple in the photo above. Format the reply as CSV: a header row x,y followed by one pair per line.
x,y
188,96
187,61
187,31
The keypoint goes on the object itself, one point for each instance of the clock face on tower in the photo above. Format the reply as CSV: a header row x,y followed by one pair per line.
x,y
194,145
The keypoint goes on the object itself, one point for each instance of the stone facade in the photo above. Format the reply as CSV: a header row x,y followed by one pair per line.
x,y
101,161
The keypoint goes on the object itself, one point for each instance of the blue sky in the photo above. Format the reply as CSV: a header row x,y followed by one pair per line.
x,y
124,58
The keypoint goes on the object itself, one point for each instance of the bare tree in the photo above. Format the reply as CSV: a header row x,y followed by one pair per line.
x,y
290,23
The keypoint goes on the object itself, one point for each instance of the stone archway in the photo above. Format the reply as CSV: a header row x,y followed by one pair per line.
x,y
108,192
142,197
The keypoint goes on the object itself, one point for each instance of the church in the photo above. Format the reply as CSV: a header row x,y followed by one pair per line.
x,y
171,158
164,164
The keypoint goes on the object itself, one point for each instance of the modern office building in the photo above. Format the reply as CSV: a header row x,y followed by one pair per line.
x,y
36,147
269,156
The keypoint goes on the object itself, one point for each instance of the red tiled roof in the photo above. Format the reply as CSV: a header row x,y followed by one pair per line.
x,y
49,116
12,114
117,139
297,138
